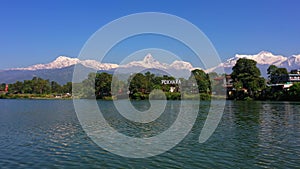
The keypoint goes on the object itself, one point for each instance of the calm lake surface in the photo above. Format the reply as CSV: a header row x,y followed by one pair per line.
x,y
47,134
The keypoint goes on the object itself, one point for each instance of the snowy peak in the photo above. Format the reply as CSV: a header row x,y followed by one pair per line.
x,y
265,53
295,58
181,65
149,59
65,58
97,65
61,62
64,61
147,62
263,59
150,62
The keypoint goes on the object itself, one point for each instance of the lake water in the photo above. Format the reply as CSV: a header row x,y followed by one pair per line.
x,y
47,134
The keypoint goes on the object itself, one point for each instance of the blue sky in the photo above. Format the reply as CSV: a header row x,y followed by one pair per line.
x,y
38,31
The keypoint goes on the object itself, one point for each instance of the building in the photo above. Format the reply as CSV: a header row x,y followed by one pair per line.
x,y
224,86
284,82
293,78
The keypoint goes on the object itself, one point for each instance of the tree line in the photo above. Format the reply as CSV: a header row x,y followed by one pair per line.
x,y
247,84
139,86
37,86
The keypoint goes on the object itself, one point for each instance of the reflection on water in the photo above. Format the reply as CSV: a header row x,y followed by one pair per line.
x,y
135,129
47,134
279,134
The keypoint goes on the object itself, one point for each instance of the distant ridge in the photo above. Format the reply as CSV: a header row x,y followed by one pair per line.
x,y
64,61
61,69
147,62
264,59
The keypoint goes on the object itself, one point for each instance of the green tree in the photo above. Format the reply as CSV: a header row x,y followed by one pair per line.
x,y
294,92
202,79
28,87
2,86
103,84
295,71
67,88
137,83
40,86
277,75
271,70
55,87
246,75
140,85
16,87
149,81
87,89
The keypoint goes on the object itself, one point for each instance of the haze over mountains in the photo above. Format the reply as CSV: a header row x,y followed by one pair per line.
x,y
61,69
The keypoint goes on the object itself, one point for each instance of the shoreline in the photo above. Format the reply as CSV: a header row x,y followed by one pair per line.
x,y
111,98
34,96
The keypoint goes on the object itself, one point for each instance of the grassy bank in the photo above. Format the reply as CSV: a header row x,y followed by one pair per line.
x,y
138,96
33,96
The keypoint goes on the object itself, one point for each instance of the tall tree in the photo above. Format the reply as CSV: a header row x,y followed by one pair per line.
x,y
16,87
28,86
137,83
103,84
55,87
294,92
271,70
246,75
202,79
67,88
277,75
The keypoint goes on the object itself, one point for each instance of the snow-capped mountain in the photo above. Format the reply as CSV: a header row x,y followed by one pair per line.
x,y
181,65
63,61
292,62
61,69
147,62
150,62
264,59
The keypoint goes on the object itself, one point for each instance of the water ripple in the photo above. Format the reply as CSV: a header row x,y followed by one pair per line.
x,y
47,134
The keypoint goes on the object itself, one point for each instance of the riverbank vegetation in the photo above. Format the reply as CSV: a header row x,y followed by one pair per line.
x,y
249,85
141,86
244,83
37,88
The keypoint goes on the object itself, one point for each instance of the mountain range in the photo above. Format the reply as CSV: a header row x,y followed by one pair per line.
x,y
61,69
264,59
147,62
